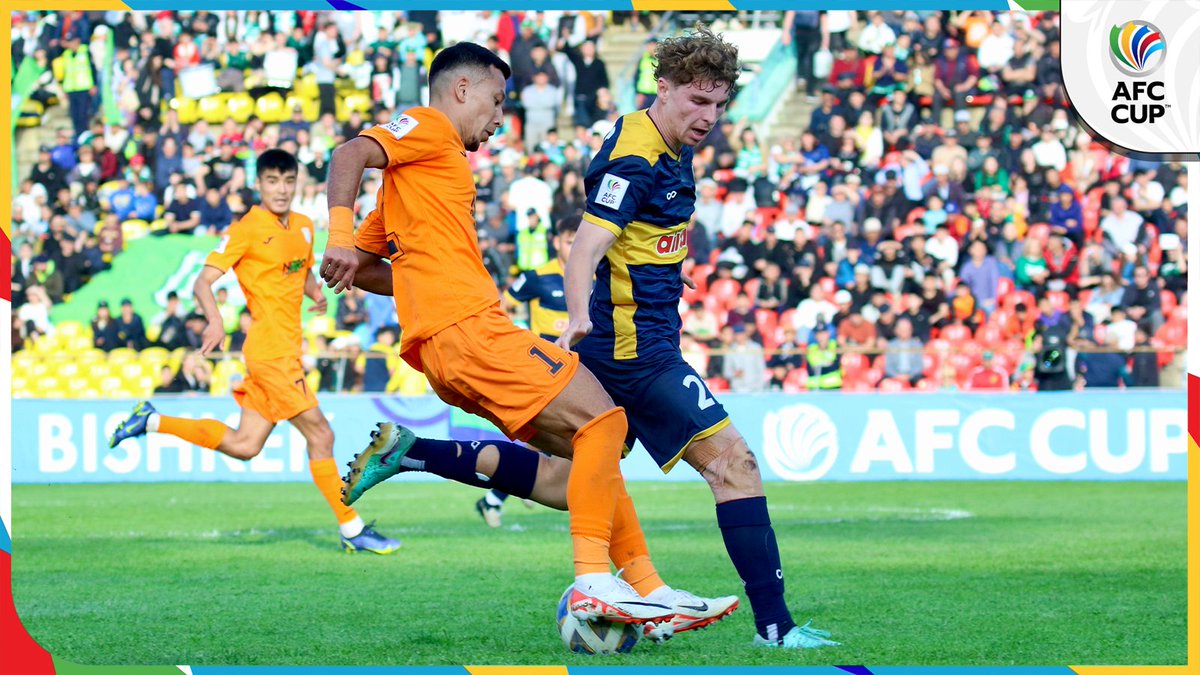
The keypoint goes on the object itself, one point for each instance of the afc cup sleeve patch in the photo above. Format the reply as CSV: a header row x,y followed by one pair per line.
x,y
401,126
612,191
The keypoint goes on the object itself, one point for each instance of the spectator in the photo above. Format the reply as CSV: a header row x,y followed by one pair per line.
x,y
533,242
237,339
167,382
955,76
1102,369
34,316
744,365
131,332
1142,300
987,376
194,376
823,362
1121,226
169,323
1031,271
773,290
856,331
591,76
1144,369
540,101
47,276
1050,369
376,367
981,273
104,329
904,358
183,214
215,215
813,310
351,310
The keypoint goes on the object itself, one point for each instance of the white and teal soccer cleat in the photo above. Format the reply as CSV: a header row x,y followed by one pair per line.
x,y
691,612
134,426
799,637
378,462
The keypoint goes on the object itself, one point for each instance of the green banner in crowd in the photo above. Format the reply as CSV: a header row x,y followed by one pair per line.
x,y
112,113
152,267
22,85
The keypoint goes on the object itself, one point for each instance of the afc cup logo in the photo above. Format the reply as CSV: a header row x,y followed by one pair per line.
x,y
1137,48
800,442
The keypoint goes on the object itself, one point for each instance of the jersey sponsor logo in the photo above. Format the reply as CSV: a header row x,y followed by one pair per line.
x,y
401,126
672,195
293,266
671,243
612,191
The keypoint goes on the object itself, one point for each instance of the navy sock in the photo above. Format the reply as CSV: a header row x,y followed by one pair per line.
x,y
750,541
515,473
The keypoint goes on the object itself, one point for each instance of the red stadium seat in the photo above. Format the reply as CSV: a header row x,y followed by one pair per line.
x,y
931,365
1061,300
939,347
1179,315
1166,356
717,385
892,385
787,318
725,291
700,276
999,318
1169,302
956,333
903,232
854,363
828,285
927,384
873,376
1173,333
1039,231
712,304
989,334
796,381
767,320
1020,297
750,288
857,386
1004,287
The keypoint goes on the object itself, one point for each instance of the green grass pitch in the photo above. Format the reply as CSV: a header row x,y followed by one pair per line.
x,y
903,573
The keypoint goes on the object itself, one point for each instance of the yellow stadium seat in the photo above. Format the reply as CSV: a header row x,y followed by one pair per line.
x,y
154,355
121,356
59,66
73,328
76,384
241,107
341,110
310,106
57,393
306,87
132,370
98,370
77,344
110,383
313,379
134,228
270,108
152,332
38,369
320,325
47,382
20,383
46,344
91,355
89,392
24,360
143,386
214,109
176,358
67,368
359,101
186,108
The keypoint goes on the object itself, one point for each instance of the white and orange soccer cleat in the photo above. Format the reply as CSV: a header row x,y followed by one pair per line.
x,y
691,612
604,596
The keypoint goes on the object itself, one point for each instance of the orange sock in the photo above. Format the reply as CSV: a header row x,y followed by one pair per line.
x,y
325,475
592,489
205,433
628,548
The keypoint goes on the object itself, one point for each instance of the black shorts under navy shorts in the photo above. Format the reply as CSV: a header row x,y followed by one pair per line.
x,y
667,403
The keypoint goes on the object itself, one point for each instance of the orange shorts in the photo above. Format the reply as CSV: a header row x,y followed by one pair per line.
x,y
489,367
275,389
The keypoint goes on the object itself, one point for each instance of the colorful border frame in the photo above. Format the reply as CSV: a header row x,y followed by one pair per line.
x,y
23,655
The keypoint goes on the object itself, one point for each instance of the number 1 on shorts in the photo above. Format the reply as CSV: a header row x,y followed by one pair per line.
x,y
554,364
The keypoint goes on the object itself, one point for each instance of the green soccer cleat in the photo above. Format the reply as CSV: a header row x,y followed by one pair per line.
x,y
379,462
799,637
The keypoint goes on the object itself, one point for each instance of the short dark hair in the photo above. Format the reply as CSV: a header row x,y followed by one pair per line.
x,y
569,224
281,160
465,54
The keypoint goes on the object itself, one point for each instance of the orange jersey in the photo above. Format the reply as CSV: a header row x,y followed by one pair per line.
x,y
427,203
271,263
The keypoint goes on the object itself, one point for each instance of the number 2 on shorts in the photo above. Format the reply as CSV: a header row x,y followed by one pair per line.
x,y
554,364
704,401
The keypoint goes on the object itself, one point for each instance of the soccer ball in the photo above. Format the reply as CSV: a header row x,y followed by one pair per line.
x,y
593,637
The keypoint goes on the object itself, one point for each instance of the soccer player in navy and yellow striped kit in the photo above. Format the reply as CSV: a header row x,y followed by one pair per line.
x,y
640,197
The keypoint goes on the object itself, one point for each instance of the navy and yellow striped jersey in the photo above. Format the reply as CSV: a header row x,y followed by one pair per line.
x,y
542,288
644,193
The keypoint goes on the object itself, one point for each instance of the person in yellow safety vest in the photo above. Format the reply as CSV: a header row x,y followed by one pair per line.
x,y
823,362
533,242
645,82
79,83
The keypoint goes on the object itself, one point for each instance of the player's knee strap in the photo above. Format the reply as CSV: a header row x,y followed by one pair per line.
x,y
517,472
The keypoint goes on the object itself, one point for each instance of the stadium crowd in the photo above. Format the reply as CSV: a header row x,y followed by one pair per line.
x,y
941,221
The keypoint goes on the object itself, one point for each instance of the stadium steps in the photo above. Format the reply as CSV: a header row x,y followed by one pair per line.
x,y
791,117
619,48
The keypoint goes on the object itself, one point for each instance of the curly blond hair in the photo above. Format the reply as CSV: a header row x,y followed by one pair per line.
x,y
701,56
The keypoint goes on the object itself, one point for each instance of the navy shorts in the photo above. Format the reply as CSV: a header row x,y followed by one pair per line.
x,y
667,403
